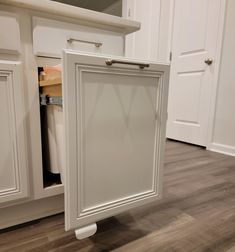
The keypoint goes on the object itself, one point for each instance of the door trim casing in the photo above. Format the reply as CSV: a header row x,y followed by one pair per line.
x,y
217,62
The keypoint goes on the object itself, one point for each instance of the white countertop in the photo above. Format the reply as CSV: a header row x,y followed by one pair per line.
x,y
92,18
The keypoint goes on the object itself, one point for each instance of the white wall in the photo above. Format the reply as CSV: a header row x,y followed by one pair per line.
x,y
224,124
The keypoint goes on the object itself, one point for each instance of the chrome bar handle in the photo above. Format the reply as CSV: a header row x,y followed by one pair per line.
x,y
141,65
97,44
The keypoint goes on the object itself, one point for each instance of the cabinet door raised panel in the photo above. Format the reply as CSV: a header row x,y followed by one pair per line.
x,y
13,163
115,120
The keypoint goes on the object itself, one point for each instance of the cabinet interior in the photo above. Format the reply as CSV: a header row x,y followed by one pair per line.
x,y
51,119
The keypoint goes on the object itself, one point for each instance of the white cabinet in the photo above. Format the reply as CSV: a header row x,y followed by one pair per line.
x,y
10,33
114,112
13,165
115,117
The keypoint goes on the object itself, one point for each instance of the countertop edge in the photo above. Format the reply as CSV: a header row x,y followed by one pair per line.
x,y
92,18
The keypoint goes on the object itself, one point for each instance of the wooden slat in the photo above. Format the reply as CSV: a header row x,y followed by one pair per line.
x,y
49,82
53,90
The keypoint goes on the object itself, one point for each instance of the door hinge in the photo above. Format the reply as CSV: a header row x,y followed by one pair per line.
x,y
170,57
129,12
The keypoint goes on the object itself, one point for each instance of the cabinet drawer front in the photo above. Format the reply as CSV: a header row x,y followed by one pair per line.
x,y
115,117
10,33
50,37
13,163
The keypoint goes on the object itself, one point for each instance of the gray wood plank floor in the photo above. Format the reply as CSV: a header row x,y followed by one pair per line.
x,y
197,213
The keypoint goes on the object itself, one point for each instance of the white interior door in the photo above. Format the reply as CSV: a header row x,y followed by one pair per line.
x,y
195,33
114,136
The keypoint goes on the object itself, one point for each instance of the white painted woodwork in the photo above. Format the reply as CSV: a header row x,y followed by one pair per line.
x,y
165,30
195,34
13,158
153,40
9,33
223,136
83,16
143,44
50,38
114,136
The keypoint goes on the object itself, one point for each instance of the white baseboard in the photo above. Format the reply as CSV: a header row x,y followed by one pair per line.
x,y
222,148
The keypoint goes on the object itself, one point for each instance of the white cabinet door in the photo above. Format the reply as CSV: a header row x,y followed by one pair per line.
x,y
115,118
13,163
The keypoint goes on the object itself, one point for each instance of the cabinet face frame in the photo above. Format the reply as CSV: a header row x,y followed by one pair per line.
x,y
115,43
10,72
75,215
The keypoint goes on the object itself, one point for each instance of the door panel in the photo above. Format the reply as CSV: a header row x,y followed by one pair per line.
x,y
191,25
13,164
115,108
115,132
187,109
194,40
